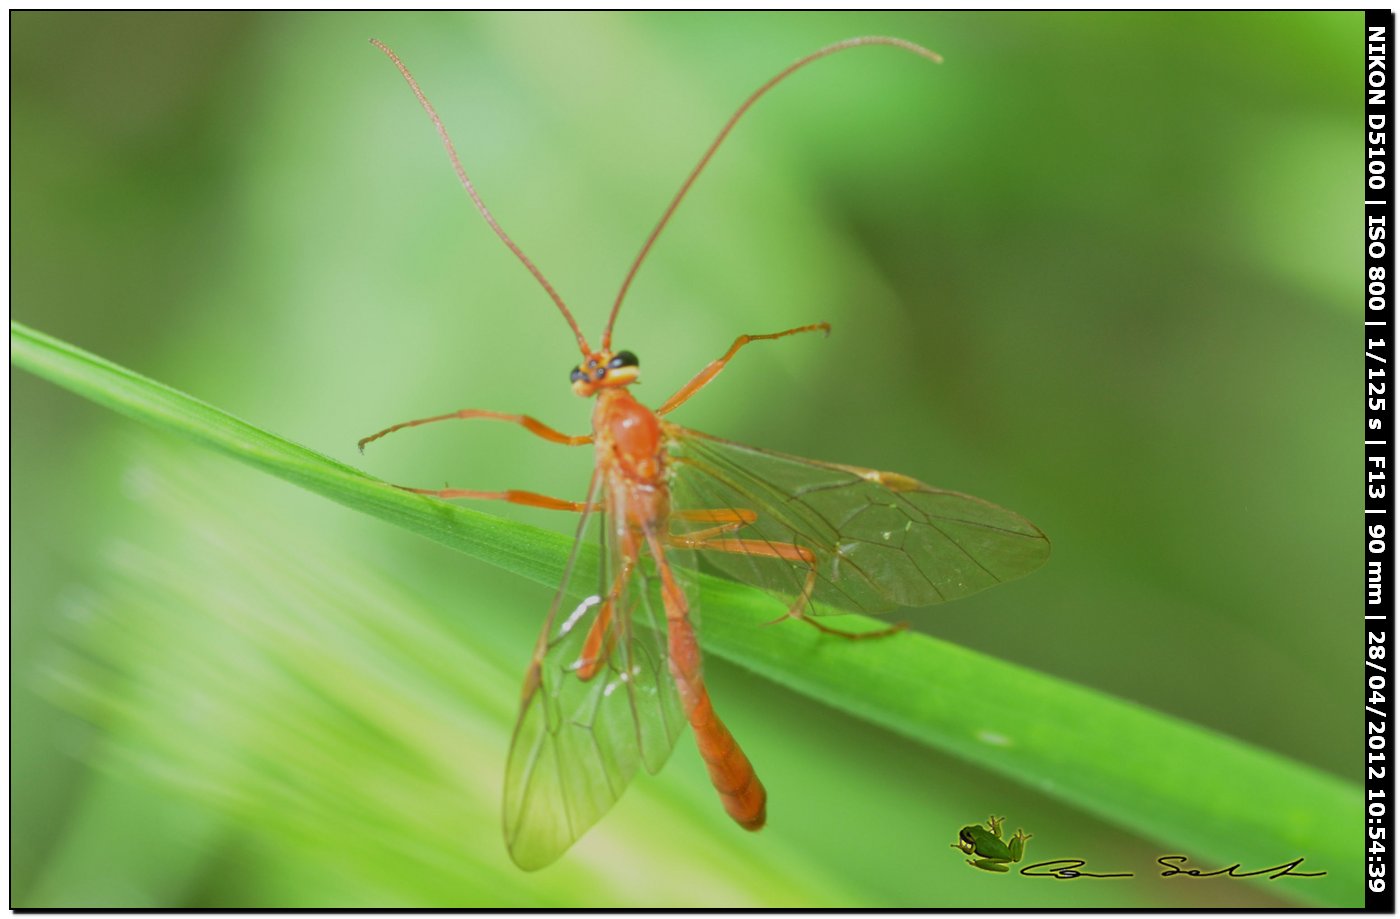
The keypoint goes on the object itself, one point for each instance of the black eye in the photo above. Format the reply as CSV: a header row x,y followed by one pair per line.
x,y
600,373
575,375
623,359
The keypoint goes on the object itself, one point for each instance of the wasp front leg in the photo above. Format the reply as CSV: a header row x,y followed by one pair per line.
x,y
512,496
538,428
712,369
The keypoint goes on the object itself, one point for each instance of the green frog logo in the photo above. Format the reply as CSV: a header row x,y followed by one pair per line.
x,y
988,850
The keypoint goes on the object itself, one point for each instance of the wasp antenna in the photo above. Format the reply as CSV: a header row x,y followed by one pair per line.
x,y
476,198
729,126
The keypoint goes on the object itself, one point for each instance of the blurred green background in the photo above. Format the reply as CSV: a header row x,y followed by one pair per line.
x,y
1096,268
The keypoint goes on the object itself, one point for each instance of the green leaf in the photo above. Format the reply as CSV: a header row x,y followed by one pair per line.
x,y
1196,792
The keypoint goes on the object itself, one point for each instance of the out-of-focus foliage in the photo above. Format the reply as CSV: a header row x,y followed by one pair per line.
x,y
1094,268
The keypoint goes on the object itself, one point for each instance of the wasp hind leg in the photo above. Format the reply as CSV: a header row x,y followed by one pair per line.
x,y
715,540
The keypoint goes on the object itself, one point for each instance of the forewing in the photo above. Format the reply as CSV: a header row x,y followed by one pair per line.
x,y
881,540
598,698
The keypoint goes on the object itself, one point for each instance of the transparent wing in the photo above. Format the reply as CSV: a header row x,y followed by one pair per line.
x,y
598,697
880,540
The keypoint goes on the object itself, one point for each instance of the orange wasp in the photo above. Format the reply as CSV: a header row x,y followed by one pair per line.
x,y
616,671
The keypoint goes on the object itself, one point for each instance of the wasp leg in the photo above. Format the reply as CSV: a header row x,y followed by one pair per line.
x,y
539,429
529,498
712,369
703,541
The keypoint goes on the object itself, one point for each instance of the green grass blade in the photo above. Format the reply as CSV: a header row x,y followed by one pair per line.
x,y
1194,791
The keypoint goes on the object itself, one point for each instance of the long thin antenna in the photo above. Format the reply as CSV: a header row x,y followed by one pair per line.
x,y
724,132
476,199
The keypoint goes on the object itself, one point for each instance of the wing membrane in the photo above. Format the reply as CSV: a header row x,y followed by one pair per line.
x,y
598,698
881,540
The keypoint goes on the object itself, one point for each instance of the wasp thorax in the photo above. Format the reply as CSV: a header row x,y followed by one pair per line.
x,y
604,369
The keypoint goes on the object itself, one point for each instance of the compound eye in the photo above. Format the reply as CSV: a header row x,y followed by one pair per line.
x,y
575,375
623,359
